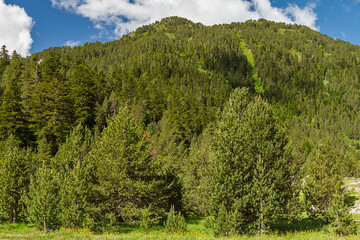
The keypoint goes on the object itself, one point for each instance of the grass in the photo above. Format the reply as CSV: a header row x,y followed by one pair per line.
x,y
304,230
255,73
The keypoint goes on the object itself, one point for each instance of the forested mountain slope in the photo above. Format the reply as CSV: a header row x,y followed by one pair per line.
x,y
175,77
309,78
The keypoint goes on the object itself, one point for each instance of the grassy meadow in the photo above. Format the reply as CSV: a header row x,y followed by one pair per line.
x,y
196,229
305,230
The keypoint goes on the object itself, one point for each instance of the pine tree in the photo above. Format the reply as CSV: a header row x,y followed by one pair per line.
x,y
14,179
253,174
106,111
197,172
82,92
127,178
4,59
13,70
12,118
77,177
42,200
50,105
323,182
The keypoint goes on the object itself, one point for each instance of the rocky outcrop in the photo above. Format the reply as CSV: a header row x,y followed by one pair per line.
x,y
356,208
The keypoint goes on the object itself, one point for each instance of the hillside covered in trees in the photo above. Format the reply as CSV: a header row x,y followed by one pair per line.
x,y
232,121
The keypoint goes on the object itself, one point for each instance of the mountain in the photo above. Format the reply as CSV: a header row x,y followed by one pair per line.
x,y
182,73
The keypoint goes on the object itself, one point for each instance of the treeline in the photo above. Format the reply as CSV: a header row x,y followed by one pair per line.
x,y
232,121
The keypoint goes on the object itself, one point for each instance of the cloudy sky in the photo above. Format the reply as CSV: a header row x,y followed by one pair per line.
x,y
33,25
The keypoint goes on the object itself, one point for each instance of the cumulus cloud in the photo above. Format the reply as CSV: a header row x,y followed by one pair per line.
x,y
71,43
124,16
304,16
15,28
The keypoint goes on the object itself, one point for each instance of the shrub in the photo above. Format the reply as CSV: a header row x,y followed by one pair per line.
x,y
145,222
342,221
175,223
226,223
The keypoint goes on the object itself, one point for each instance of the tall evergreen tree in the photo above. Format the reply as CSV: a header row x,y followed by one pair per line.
x,y
13,70
12,118
14,179
253,175
4,59
50,105
42,200
324,182
77,177
106,111
83,94
127,177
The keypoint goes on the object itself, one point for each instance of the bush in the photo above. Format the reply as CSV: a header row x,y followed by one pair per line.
x,y
221,227
146,221
342,221
226,223
175,223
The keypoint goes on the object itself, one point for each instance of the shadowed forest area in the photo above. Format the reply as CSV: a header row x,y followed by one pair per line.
x,y
242,129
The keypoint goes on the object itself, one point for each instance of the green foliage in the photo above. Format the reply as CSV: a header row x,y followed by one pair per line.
x,y
221,227
175,223
77,176
12,118
146,220
106,111
178,139
253,167
4,59
341,220
14,179
50,103
42,200
197,172
323,182
127,177
226,223
82,93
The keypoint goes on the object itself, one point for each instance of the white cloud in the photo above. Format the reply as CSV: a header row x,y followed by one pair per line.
x,y
124,16
71,43
15,28
304,16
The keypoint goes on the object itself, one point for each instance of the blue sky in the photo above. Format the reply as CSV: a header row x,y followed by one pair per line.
x,y
30,26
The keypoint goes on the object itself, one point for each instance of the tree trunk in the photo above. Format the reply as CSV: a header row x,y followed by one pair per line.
x,y
261,217
44,212
44,224
14,218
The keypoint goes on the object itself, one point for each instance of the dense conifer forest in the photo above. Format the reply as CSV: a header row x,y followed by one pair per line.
x,y
247,123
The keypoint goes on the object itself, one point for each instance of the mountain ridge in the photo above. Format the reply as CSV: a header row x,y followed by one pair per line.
x,y
310,79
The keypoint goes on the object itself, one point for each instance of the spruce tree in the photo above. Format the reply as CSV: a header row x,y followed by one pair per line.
x,y
253,167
